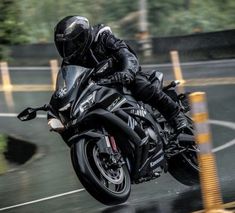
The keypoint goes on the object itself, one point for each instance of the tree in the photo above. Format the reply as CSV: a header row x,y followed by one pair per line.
x,y
11,28
168,17
190,16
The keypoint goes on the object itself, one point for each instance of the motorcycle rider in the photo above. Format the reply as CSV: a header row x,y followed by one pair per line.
x,y
78,43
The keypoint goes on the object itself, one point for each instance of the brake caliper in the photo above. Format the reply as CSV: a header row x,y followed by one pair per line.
x,y
109,153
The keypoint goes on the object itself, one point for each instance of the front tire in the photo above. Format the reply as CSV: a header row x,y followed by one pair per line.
x,y
109,186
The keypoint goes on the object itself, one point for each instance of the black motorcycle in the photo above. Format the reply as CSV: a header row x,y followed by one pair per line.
x,y
115,140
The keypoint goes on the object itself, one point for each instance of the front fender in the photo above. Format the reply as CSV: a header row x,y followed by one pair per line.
x,y
77,157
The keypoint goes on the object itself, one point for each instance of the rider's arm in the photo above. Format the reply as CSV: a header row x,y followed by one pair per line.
x,y
121,52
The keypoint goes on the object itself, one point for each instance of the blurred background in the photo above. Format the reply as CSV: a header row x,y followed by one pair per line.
x,y
27,22
36,174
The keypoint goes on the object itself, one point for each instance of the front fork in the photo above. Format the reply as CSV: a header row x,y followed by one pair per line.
x,y
109,151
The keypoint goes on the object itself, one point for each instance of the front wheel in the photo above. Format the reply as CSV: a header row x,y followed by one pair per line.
x,y
108,185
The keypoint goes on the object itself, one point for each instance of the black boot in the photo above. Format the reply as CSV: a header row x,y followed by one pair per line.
x,y
178,122
169,109
153,95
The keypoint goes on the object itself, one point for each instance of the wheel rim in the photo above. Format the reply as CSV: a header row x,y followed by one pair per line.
x,y
115,177
113,180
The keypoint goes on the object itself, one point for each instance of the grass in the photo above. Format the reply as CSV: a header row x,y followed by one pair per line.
x,y
3,163
3,143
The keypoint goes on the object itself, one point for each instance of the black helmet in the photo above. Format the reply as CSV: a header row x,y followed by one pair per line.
x,y
73,37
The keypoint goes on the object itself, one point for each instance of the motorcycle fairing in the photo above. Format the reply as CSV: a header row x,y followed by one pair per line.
x,y
111,109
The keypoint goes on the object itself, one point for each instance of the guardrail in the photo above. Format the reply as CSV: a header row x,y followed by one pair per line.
x,y
8,88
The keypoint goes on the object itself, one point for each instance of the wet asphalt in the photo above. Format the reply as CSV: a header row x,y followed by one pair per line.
x,y
50,171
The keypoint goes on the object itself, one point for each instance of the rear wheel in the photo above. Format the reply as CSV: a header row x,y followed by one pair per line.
x,y
109,185
184,166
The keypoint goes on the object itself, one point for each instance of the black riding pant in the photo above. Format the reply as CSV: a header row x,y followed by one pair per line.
x,y
151,93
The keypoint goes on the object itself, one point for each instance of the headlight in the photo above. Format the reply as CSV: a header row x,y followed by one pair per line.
x,y
55,125
87,103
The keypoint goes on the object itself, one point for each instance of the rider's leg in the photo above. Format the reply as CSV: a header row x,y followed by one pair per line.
x,y
150,93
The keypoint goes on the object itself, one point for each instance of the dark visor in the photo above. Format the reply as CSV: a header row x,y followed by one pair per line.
x,y
68,47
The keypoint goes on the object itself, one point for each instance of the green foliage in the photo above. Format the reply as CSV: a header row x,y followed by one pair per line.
x,y
2,144
168,17
42,16
11,27
189,16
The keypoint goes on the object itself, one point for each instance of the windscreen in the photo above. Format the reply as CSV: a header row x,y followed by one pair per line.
x,y
67,77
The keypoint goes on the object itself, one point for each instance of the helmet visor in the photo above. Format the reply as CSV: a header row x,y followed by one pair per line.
x,y
68,47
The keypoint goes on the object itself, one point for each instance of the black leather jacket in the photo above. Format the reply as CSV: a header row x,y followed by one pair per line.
x,y
105,45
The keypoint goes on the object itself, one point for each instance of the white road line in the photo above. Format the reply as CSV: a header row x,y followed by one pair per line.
x,y
13,115
227,124
42,199
30,68
227,145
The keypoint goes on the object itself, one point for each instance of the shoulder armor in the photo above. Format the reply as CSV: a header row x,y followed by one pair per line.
x,y
101,30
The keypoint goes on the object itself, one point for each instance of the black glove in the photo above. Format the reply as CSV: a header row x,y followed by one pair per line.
x,y
124,78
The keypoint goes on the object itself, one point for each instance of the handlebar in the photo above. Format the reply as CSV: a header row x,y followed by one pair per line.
x,y
171,85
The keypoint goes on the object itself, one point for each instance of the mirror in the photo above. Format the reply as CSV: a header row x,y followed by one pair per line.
x,y
27,114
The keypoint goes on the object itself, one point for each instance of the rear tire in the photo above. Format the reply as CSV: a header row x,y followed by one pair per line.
x,y
183,170
109,186
184,167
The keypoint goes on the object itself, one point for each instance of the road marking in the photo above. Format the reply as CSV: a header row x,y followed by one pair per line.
x,y
227,145
209,81
28,88
13,115
30,68
227,124
42,199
